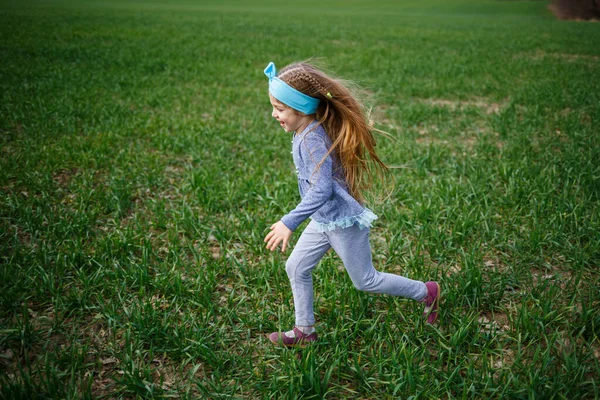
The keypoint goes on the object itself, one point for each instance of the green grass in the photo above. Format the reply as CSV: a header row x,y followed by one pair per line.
x,y
140,170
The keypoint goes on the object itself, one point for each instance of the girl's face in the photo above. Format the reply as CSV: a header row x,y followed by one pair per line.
x,y
289,119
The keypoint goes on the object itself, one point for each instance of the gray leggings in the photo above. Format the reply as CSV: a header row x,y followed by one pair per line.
x,y
353,247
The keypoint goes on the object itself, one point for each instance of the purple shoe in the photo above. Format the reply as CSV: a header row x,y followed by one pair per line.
x,y
431,301
300,338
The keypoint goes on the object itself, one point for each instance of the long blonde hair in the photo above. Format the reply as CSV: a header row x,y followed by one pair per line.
x,y
345,120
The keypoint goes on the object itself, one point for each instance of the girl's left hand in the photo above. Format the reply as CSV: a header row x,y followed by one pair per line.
x,y
279,234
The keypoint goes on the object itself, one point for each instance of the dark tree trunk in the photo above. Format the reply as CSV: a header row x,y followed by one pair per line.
x,y
576,9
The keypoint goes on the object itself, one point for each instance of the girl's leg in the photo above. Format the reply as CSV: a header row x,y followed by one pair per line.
x,y
353,247
307,253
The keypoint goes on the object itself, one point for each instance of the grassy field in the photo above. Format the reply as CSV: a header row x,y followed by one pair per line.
x,y
140,170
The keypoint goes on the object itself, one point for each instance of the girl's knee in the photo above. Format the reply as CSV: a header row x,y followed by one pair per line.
x,y
298,269
293,267
290,267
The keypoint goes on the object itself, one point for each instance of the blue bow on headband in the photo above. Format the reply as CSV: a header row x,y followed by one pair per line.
x,y
288,95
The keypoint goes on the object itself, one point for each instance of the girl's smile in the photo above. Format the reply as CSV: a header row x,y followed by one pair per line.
x,y
289,119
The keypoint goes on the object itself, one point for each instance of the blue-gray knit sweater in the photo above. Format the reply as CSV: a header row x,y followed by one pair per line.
x,y
324,193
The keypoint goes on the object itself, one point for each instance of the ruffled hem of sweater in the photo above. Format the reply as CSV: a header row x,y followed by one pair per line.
x,y
364,220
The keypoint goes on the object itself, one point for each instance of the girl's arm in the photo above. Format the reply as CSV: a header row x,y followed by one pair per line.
x,y
312,150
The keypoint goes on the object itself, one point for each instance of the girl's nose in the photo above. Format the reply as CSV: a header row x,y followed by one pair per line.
x,y
273,113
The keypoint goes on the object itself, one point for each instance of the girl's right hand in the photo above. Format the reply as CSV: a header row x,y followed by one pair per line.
x,y
279,234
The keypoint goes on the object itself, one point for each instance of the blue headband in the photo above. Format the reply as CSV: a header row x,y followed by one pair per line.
x,y
288,95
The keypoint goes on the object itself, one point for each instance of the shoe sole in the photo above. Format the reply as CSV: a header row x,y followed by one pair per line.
x,y
301,343
435,304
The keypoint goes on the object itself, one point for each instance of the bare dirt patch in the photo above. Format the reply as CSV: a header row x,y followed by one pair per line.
x,y
504,360
346,43
496,322
485,105
493,262
63,177
567,57
454,268
462,143
555,272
